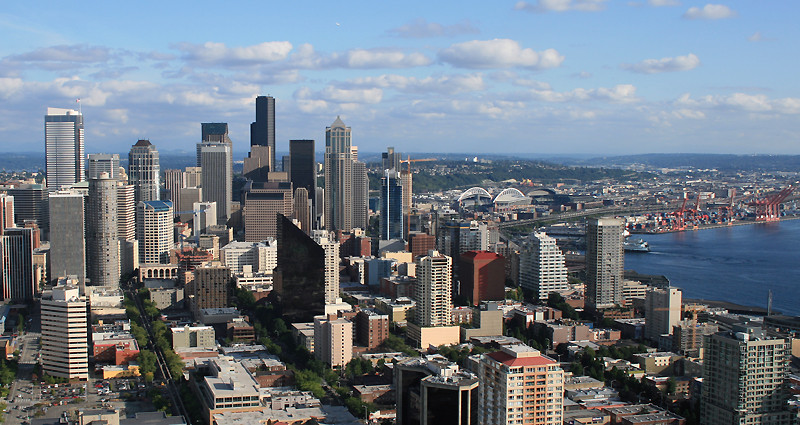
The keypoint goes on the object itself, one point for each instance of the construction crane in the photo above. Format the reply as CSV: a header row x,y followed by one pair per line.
x,y
680,216
768,208
726,211
408,161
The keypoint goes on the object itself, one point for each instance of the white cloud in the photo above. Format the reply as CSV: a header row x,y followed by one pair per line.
x,y
218,54
333,94
305,57
10,86
621,93
756,37
663,3
684,113
498,53
447,84
542,6
710,11
743,102
656,66
420,28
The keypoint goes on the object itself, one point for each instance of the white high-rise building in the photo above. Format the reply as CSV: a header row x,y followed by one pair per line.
x,y
154,231
103,163
434,290
205,214
662,311
65,342
64,148
102,242
605,260
331,248
126,212
541,266
261,256
144,171
333,340
338,178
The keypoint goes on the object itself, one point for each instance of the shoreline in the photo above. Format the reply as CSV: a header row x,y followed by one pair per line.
x,y
716,226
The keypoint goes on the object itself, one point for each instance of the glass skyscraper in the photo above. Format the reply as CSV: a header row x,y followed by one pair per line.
x,y
391,223
64,147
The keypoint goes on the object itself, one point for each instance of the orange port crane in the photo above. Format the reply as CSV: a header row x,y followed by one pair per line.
x,y
408,161
768,208
680,215
726,211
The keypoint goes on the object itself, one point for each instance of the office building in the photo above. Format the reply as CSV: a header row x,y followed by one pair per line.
x,y
360,196
205,215
262,130
744,379
65,342
102,241
64,148
214,132
262,202
542,269
662,310
302,209
67,242
261,257
126,212
154,231
519,385
193,337
458,237
299,278
390,159
483,276
31,204
188,197
6,212
333,340
338,178
303,170
103,163
433,391
18,280
391,207
216,160
173,183
144,171
256,165
688,336
192,176
604,262
406,179
331,248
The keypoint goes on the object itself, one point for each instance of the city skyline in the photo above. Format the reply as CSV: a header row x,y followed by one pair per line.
x,y
538,76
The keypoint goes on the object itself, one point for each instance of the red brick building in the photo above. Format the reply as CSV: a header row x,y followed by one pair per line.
x,y
420,243
371,328
116,350
483,276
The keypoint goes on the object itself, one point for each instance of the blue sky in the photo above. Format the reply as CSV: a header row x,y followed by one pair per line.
x,y
535,76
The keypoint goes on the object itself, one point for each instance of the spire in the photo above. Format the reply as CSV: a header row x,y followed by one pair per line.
x,y
338,123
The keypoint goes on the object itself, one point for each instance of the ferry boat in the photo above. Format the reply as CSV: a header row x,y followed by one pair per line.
x,y
638,245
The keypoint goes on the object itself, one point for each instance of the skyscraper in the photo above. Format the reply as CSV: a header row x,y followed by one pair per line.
x,y
302,209
173,183
65,342
744,376
604,262
360,196
431,391
262,130
303,171
102,241
63,138
482,276
154,231
331,248
262,202
434,290
391,159
103,163
17,275
126,212
6,212
542,269
662,311
299,278
31,204
216,160
338,178
144,171
67,246
391,208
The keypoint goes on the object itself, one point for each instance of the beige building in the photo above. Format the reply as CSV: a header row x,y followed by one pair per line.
x,y
605,259
193,337
518,385
262,202
333,340
65,342
331,248
662,311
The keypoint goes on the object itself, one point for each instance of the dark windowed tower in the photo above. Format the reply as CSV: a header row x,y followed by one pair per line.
x,y
299,278
262,130
391,205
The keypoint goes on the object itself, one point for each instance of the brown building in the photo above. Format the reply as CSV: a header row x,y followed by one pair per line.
x,y
353,245
189,259
372,328
263,201
210,288
561,332
643,414
420,243
483,276
239,330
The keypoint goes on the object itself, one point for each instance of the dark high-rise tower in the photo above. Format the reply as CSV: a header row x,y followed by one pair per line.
x,y
302,168
299,278
391,222
262,130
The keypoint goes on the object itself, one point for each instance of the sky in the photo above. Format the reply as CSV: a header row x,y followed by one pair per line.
x,y
502,77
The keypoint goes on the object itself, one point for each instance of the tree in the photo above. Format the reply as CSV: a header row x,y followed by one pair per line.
x,y
671,386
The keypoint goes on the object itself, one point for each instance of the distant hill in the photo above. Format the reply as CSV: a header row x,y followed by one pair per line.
x,y
722,162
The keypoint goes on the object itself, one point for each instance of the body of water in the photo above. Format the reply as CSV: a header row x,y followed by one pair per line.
x,y
739,264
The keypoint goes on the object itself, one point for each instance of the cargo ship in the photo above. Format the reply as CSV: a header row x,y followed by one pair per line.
x,y
638,245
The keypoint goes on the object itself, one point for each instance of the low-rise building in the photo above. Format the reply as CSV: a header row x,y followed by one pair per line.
x,y
658,363
193,337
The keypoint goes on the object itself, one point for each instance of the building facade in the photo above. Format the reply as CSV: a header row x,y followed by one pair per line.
x,y
103,163
662,311
144,171
65,342
605,260
542,269
262,202
102,240
391,208
216,160
64,148
262,130
482,276
67,238
154,231
434,290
